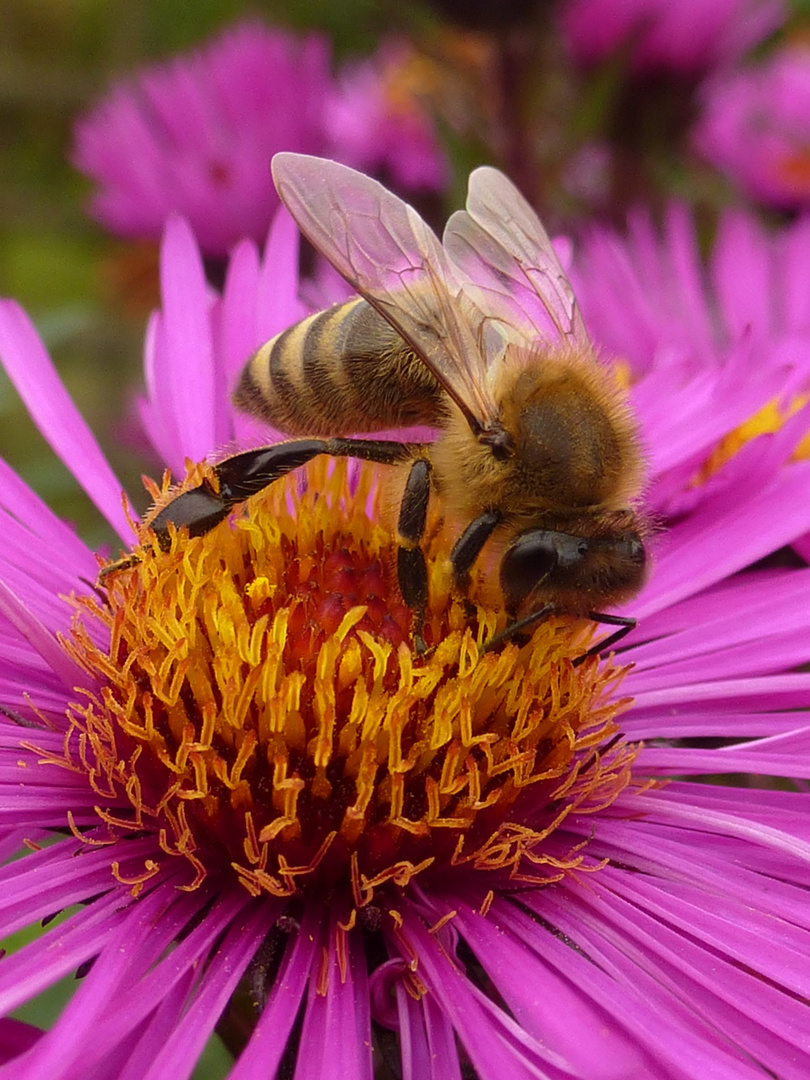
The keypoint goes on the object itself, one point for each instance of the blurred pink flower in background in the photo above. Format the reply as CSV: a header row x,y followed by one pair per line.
x,y
649,296
728,338
755,128
195,135
688,37
381,119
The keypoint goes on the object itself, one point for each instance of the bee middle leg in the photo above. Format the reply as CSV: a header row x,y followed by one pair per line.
x,y
411,565
412,572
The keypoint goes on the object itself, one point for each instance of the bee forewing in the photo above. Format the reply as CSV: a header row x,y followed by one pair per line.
x,y
500,244
383,248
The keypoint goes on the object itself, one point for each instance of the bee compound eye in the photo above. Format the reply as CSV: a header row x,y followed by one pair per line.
x,y
530,558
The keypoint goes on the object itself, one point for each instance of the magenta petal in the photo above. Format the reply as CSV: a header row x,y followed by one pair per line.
x,y
789,759
497,1045
133,1055
668,853
732,929
40,639
594,1042
160,974
176,1057
279,303
30,369
49,880
336,1036
185,343
128,930
791,263
15,1038
781,512
38,520
672,1031
427,1040
262,1055
744,298
760,1019
699,812
59,951
236,331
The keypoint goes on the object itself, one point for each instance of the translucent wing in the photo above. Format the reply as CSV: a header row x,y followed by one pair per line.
x,y
389,255
514,276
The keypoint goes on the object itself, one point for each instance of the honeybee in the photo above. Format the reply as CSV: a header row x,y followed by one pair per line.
x,y
478,335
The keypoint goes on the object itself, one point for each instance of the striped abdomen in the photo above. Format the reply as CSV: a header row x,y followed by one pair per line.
x,y
341,371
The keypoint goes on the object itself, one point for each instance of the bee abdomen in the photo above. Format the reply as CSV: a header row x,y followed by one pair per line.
x,y
340,371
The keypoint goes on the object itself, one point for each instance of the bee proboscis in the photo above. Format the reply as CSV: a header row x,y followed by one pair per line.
x,y
480,336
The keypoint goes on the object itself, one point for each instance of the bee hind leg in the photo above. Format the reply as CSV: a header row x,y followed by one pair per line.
x,y
238,477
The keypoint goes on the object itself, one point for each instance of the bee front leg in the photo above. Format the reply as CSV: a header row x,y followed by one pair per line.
x,y
517,629
469,545
625,624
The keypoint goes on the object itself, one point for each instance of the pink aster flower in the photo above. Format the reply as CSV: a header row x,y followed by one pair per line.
x,y
719,354
381,119
195,135
755,128
688,37
570,898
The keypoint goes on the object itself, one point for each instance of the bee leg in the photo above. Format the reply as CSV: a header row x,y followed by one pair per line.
x,y
625,625
242,475
468,546
411,566
237,477
517,628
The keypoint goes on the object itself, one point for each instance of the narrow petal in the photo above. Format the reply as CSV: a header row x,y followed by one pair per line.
x,y
336,1036
263,1054
177,1055
40,639
124,933
186,344
496,1044
62,426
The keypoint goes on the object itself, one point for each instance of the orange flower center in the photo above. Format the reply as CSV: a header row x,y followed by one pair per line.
x,y
260,706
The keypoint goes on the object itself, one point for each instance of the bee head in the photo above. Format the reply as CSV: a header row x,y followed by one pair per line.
x,y
576,573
